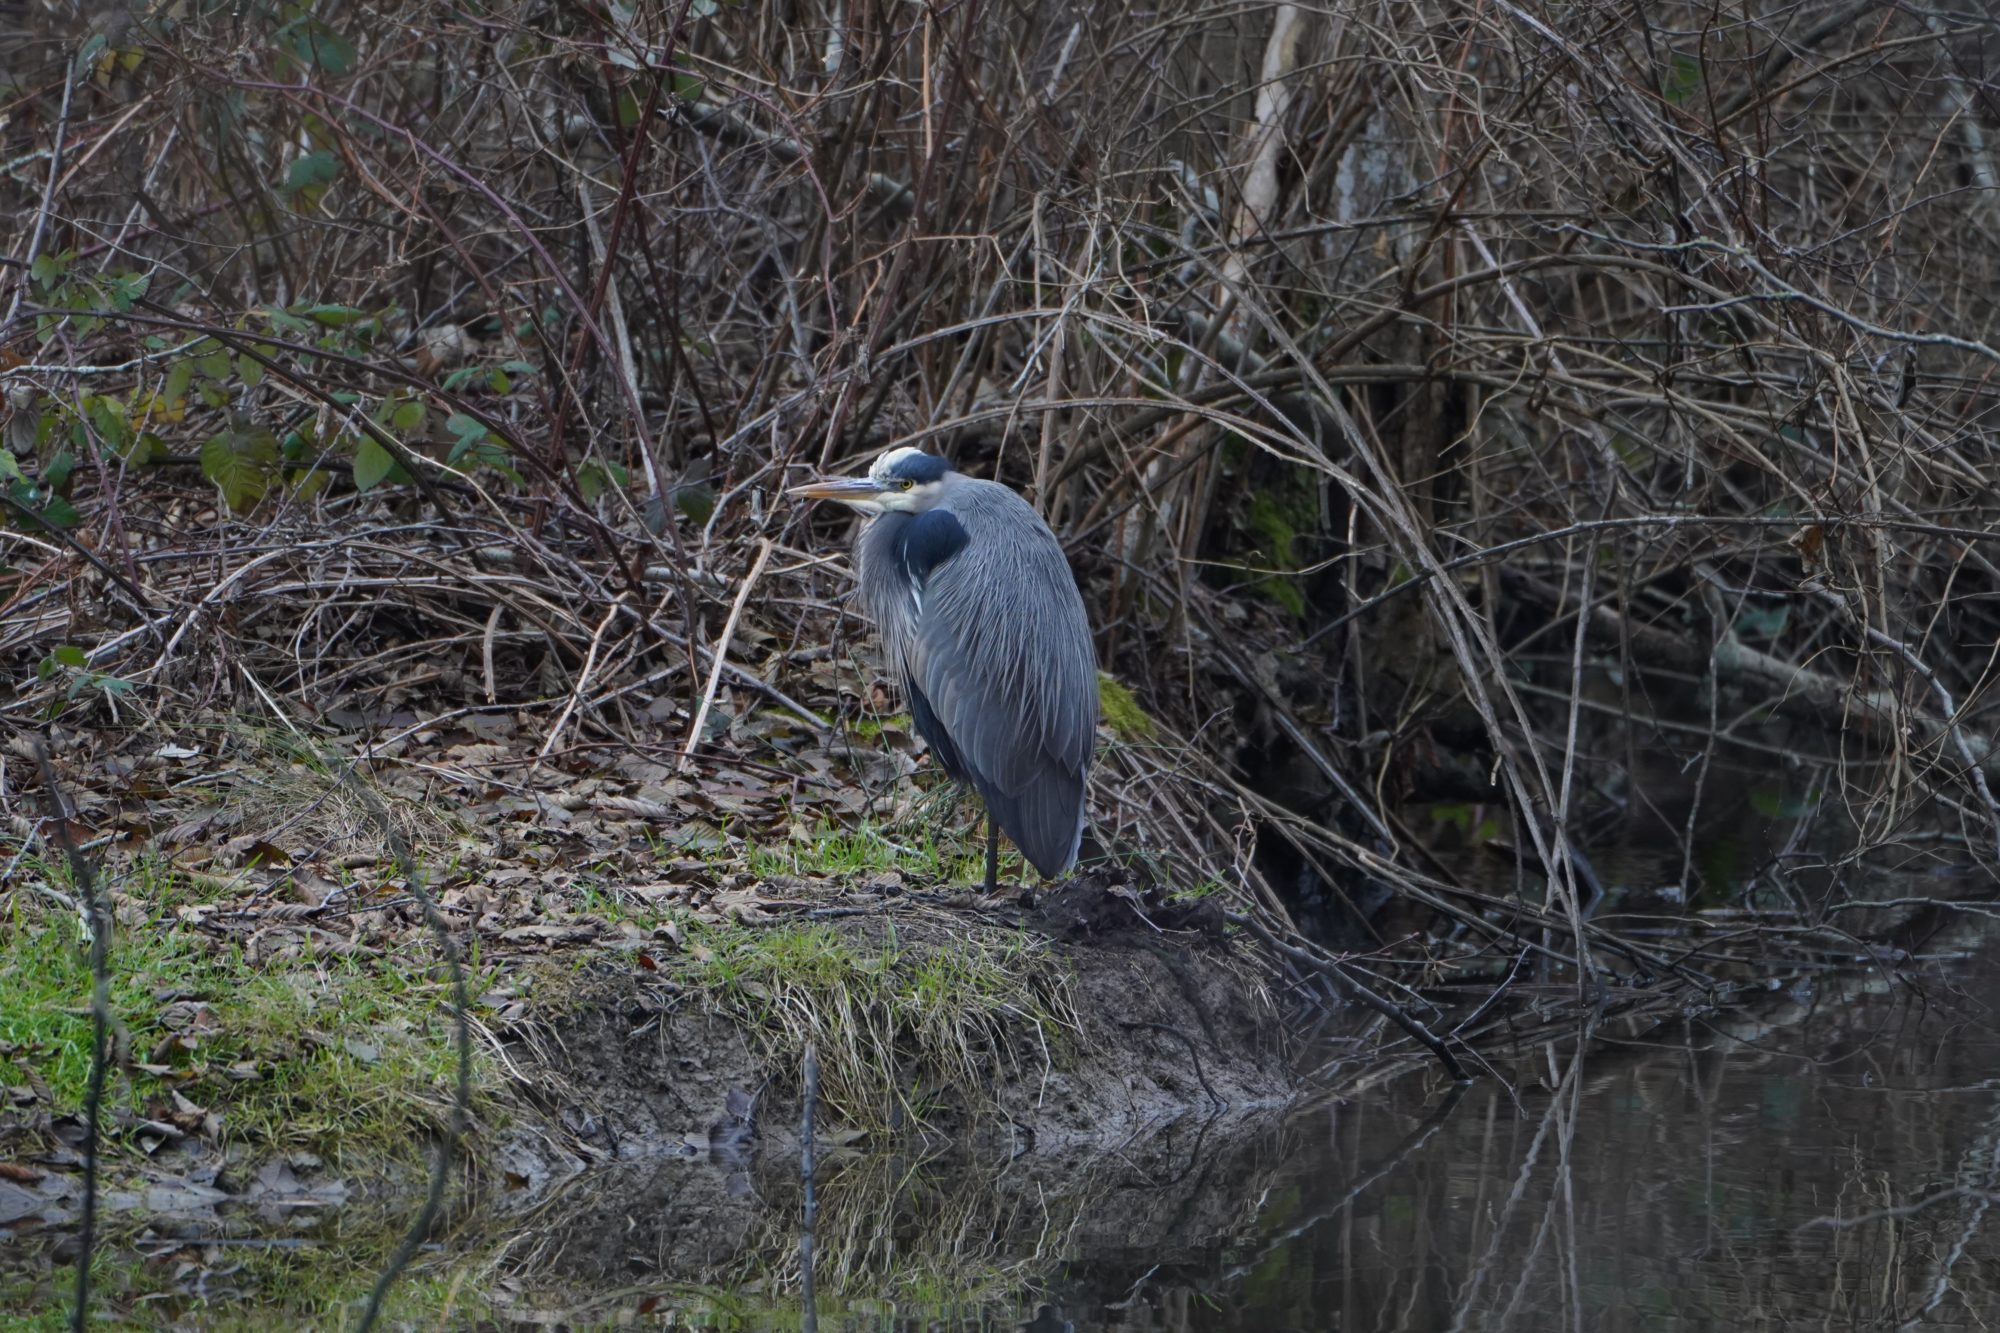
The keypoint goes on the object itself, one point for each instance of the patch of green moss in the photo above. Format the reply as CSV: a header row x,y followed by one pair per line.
x,y
1121,711
869,728
1275,520
1271,523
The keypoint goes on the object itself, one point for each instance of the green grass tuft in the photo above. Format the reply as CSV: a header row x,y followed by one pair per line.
x,y
893,1022
829,850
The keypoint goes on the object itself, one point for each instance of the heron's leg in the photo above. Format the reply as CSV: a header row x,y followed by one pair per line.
x,y
992,854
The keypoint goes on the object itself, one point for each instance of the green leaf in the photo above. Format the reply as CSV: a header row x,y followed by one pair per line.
x,y
333,316
314,169
371,464
695,499
250,370
688,88
125,290
59,513
1682,81
87,54
47,271
286,321
216,365
69,655
310,482
468,433
108,419
314,41
408,416
229,460
178,380
56,475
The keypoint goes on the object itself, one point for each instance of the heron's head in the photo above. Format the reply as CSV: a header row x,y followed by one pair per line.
x,y
905,481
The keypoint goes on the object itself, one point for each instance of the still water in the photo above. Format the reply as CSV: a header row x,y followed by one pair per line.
x,y
1828,1161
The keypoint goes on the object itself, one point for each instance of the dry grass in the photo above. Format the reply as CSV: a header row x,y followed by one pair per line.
x,y
918,1013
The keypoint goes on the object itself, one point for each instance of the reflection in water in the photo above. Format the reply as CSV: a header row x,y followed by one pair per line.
x,y
1832,1173
1831,1166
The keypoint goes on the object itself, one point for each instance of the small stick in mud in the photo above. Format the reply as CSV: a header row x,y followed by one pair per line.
x,y
809,1077
1193,1054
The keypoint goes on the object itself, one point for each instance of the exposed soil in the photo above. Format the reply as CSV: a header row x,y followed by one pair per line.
x,y
1168,1018
1168,1089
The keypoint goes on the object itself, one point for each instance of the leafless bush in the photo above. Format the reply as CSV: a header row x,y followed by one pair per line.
x,y
1409,380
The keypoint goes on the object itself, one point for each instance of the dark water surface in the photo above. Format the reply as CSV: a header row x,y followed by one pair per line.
x,y
1827,1162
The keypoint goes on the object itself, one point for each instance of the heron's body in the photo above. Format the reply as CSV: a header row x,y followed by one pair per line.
x,y
982,623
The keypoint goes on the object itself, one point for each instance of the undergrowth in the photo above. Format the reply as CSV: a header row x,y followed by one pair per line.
x,y
344,1056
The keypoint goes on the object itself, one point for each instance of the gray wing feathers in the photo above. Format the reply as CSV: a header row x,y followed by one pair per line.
x,y
1001,648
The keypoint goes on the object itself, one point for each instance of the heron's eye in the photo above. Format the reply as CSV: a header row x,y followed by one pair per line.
x,y
904,483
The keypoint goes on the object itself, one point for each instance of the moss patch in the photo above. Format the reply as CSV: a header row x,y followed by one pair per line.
x,y
1276,519
1121,711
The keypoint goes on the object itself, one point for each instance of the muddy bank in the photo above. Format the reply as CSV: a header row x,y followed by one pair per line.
x,y
1132,1096
1084,1021
987,1071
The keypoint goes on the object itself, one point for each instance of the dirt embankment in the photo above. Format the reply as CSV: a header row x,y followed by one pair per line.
x,y
1133,1048
1087,1020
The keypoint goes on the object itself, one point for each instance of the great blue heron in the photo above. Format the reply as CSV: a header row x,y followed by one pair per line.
x,y
980,617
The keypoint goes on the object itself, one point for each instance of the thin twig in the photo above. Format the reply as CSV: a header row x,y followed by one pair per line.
x,y
97,923
720,653
809,1214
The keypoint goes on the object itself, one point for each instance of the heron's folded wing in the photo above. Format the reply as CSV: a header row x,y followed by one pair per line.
x,y
1002,654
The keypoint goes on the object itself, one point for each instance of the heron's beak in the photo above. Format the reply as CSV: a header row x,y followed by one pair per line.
x,y
852,490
